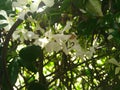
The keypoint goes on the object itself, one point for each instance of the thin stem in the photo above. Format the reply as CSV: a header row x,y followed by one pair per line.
x,y
4,52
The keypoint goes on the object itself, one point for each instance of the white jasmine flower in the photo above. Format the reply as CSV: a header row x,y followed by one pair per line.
x,y
41,42
74,45
21,6
68,26
8,20
23,13
34,5
48,3
30,35
53,46
16,35
19,3
49,34
61,37
57,42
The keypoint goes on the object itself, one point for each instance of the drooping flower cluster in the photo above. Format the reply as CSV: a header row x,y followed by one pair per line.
x,y
49,41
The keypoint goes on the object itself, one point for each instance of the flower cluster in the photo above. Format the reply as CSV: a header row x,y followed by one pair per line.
x,y
49,41
30,6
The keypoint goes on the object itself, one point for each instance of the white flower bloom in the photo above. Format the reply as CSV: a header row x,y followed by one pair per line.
x,y
19,3
3,13
34,5
29,35
53,46
61,37
41,42
21,7
56,41
8,20
74,45
23,13
49,34
16,35
68,26
48,3
19,34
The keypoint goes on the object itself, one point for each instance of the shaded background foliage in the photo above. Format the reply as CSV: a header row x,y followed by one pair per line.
x,y
58,70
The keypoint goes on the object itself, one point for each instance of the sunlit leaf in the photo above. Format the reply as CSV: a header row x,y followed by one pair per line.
x,y
113,61
94,7
117,70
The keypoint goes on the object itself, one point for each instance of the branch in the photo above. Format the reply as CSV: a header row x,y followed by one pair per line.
x,y
4,52
74,66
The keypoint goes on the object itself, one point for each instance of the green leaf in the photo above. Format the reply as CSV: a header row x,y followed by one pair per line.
x,y
6,5
113,61
65,5
13,70
94,7
36,86
78,3
29,65
86,28
30,53
117,70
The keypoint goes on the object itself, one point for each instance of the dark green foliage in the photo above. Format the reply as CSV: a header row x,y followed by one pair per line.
x,y
6,5
29,65
30,53
86,28
13,70
34,85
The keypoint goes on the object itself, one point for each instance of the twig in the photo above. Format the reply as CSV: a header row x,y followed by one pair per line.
x,y
74,66
4,52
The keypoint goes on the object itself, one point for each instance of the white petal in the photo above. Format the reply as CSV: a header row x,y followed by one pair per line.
x,y
22,14
68,26
48,3
52,46
34,5
16,35
3,13
19,3
41,42
59,37
3,22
